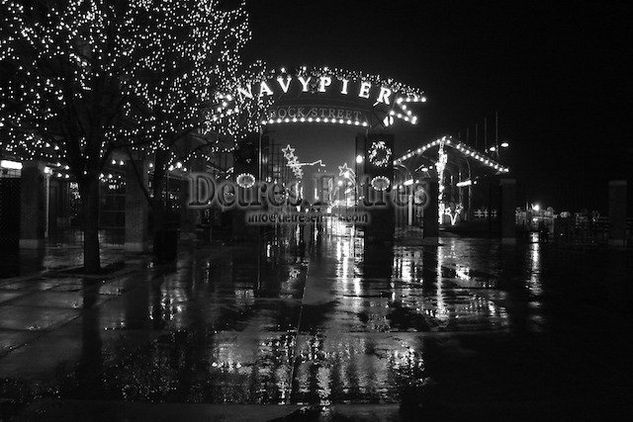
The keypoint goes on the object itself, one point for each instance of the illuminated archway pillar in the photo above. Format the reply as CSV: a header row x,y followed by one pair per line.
x,y
507,215
430,219
33,205
381,220
382,210
618,201
136,207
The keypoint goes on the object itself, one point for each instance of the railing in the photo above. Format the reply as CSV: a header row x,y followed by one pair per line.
x,y
582,232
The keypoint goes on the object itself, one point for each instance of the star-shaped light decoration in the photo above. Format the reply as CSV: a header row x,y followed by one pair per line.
x,y
288,151
345,171
293,161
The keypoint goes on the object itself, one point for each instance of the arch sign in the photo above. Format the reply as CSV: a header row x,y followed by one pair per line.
x,y
322,96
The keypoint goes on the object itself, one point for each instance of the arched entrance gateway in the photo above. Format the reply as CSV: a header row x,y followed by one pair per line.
x,y
380,184
368,104
373,179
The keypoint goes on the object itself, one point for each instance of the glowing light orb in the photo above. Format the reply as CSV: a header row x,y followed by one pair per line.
x,y
245,180
380,183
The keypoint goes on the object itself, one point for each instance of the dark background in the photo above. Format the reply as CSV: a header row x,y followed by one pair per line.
x,y
557,75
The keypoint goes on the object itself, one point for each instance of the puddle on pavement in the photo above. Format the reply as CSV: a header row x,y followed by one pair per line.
x,y
336,322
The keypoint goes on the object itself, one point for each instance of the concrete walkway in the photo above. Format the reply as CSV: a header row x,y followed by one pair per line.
x,y
465,327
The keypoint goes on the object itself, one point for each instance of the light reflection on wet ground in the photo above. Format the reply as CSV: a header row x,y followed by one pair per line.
x,y
334,321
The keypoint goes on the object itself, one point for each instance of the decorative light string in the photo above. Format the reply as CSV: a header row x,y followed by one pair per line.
x,y
441,166
380,183
292,161
160,63
334,121
229,103
379,154
462,148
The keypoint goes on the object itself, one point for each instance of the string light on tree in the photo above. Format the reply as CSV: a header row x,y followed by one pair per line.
x,y
82,79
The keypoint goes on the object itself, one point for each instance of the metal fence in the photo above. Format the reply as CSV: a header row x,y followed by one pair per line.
x,y
581,231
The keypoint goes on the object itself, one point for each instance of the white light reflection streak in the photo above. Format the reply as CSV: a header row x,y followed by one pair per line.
x,y
534,283
442,313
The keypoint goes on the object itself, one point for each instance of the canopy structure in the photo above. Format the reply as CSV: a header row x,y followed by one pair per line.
x,y
457,168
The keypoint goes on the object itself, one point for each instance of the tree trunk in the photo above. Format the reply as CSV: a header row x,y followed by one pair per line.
x,y
89,191
165,238
158,186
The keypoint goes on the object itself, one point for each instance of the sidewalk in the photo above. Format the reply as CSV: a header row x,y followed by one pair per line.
x,y
58,253
466,325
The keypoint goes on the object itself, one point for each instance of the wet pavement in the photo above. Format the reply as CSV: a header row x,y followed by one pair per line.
x,y
335,329
61,251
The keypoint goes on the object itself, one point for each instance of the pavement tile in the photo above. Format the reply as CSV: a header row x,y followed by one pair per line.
x,y
34,318
32,284
464,322
10,339
57,299
6,296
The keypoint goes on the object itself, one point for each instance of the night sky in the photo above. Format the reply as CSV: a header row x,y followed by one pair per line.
x,y
557,76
